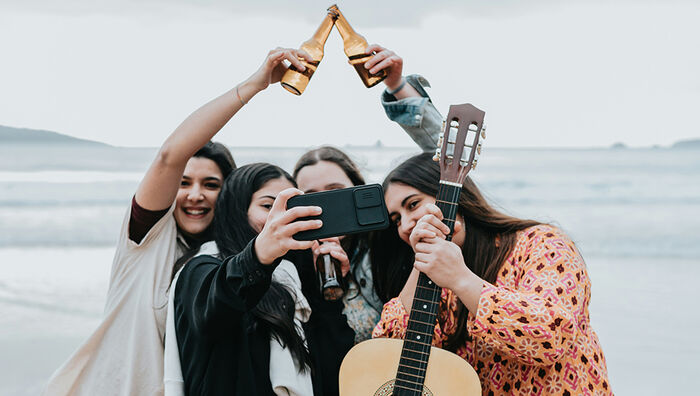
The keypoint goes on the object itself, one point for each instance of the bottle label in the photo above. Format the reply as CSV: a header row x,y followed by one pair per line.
x,y
310,68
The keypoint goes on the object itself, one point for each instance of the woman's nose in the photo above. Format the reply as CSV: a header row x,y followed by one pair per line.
x,y
195,193
407,226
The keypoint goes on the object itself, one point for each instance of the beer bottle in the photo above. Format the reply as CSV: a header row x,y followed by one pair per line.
x,y
355,46
330,277
295,81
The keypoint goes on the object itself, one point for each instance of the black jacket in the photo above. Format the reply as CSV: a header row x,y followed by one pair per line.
x,y
220,353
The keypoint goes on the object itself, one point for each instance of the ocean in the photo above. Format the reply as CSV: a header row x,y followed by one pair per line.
x,y
633,213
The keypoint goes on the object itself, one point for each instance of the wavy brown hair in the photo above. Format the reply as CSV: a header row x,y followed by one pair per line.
x,y
490,237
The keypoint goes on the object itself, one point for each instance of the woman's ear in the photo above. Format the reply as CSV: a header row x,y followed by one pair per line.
x,y
459,226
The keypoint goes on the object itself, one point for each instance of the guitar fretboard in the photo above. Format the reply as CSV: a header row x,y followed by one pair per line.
x,y
426,301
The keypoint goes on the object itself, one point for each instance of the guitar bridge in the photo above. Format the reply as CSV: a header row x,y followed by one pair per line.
x,y
388,390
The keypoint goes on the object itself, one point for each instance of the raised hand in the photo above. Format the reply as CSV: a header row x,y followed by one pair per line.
x,y
276,237
273,67
385,59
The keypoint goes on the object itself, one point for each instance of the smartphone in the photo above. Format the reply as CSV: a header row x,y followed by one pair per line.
x,y
346,211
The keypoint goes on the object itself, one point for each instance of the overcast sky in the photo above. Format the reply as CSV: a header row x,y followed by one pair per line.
x,y
547,74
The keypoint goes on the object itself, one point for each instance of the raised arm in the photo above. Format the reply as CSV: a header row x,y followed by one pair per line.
x,y
160,184
405,100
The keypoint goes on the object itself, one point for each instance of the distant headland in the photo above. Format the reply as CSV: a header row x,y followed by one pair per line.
x,y
687,144
37,137
24,136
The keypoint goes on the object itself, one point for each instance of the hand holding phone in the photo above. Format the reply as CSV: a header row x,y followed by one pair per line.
x,y
345,211
276,237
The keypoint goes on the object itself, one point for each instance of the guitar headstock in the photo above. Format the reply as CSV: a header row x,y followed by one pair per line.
x,y
460,139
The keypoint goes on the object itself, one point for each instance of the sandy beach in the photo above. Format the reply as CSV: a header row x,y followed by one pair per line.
x,y
641,311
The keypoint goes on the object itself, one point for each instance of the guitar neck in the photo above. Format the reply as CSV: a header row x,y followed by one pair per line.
x,y
426,301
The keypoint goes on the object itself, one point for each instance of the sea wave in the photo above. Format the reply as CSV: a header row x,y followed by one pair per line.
x,y
611,202
65,176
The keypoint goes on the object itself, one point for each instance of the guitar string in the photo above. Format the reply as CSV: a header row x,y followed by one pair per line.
x,y
421,366
421,348
435,297
425,346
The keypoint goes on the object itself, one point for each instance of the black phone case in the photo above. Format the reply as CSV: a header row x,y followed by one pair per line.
x,y
345,211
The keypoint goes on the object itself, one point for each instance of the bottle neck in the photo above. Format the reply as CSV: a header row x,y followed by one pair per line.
x,y
344,28
324,30
353,43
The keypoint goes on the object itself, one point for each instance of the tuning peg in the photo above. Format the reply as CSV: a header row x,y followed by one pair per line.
x,y
474,164
483,131
436,157
444,123
478,148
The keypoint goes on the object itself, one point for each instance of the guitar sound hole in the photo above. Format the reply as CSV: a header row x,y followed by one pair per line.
x,y
388,390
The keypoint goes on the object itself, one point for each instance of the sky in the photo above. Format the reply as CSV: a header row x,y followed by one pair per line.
x,y
548,74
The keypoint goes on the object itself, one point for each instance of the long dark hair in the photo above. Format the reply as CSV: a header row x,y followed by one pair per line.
x,y
489,238
190,244
232,233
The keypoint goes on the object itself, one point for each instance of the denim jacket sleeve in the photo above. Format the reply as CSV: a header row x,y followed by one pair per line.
x,y
416,115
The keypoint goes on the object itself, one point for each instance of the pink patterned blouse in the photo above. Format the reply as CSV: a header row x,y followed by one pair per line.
x,y
531,334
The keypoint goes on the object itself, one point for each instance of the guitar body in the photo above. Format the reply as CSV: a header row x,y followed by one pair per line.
x,y
369,369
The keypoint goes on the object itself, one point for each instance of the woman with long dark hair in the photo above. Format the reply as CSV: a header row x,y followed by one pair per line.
x,y
515,292
168,219
244,324
328,168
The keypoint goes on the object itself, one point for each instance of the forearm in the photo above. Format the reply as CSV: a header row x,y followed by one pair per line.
x,y
221,293
468,290
412,108
406,91
160,184
197,129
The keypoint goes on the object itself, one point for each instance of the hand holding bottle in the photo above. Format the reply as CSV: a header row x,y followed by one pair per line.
x,y
273,67
387,60
295,79
332,247
332,264
354,46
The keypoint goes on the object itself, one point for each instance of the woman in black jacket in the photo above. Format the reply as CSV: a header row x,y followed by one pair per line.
x,y
243,312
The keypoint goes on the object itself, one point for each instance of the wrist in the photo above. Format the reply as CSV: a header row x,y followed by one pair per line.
x,y
468,289
467,282
246,90
394,87
260,253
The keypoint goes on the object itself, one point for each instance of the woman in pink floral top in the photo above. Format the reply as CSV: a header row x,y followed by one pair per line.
x,y
517,311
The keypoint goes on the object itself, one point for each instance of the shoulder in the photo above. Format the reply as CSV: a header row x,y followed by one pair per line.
x,y
198,265
544,235
149,227
545,240
546,246
286,274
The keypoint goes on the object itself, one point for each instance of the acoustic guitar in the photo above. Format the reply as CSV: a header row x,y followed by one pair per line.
x,y
413,367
